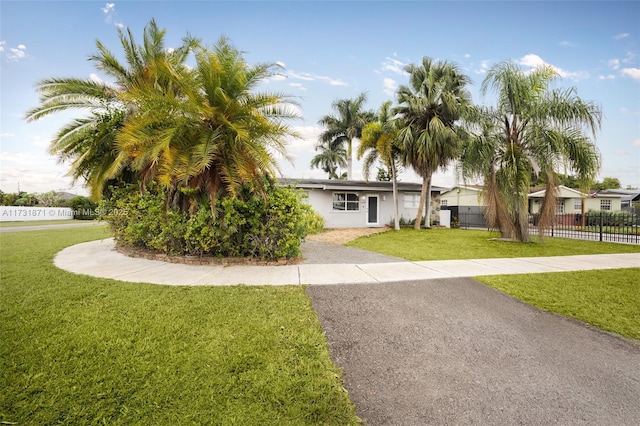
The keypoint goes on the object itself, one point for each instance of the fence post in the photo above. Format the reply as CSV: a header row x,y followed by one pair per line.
x,y
601,224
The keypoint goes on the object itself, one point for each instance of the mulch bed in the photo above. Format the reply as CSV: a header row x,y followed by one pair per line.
x,y
204,259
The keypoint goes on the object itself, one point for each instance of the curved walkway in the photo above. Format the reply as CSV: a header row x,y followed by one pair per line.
x,y
100,259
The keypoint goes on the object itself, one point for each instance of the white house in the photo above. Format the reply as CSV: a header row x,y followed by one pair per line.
x,y
466,205
570,201
356,204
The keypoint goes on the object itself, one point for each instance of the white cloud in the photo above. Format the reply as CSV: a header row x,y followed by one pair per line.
x,y
614,63
484,66
94,77
110,15
634,73
607,77
389,85
533,61
301,76
306,76
621,36
566,43
308,139
6,135
392,65
15,53
41,142
635,142
466,55
298,86
281,64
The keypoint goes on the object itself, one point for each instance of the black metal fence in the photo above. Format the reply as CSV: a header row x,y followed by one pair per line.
x,y
619,227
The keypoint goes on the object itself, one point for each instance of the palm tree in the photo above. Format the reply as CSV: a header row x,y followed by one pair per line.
x,y
89,142
379,141
211,137
346,126
331,156
429,109
533,131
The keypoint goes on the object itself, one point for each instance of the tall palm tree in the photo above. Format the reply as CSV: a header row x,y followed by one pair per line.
x,y
331,155
346,125
89,142
212,136
379,141
430,108
533,131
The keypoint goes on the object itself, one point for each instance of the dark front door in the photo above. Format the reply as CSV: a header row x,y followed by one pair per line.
x,y
372,209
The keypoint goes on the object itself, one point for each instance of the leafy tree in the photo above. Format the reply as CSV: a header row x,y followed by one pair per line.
x,y
607,183
331,155
9,199
212,136
50,199
429,109
26,199
89,143
379,141
383,175
533,130
346,126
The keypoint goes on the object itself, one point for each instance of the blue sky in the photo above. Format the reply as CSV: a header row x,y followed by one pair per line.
x,y
331,50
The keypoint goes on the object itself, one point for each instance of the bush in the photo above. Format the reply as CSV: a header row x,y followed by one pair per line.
x,y
610,218
266,227
83,208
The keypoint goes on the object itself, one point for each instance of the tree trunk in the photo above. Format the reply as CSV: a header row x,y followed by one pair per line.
x,y
396,219
423,195
427,205
349,160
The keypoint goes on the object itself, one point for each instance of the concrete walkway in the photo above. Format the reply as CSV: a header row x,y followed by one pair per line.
x,y
99,259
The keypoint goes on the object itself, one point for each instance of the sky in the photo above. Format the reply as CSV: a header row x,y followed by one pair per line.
x,y
329,50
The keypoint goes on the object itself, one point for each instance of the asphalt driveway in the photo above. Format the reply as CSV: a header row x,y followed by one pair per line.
x,y
456,352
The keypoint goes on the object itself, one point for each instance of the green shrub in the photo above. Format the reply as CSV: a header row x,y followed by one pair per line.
x,y
263,226
83,208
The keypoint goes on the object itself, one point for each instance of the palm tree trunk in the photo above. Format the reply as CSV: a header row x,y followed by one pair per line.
x,y
423,196
349,160
427,205
396,219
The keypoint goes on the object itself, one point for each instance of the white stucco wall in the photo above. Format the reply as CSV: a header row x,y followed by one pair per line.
x,y
322,202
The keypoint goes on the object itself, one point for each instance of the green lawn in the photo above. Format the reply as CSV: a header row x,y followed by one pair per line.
x,y
443,244
82,350
37,223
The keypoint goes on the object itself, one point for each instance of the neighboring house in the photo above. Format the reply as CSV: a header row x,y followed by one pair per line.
x,y
570,201
629,196
358,204
466,205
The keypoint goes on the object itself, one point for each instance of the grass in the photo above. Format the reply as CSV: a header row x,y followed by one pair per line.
x,y
444,244
83,350
37,223
608,299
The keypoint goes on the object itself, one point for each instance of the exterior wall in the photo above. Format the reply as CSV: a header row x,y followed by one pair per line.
x,y
322,202
466,197
569,204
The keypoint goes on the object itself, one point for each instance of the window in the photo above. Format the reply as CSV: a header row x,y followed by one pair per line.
x,y
411,201
346,201
577,205
605,204
560,207
443,203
